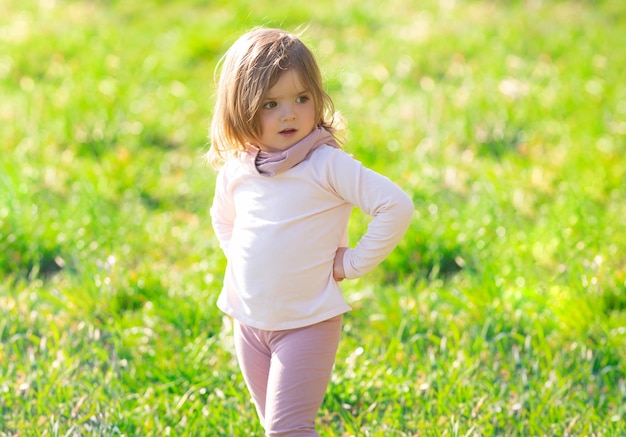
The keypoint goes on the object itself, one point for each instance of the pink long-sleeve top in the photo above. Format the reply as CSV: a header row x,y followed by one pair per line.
x,y
280,235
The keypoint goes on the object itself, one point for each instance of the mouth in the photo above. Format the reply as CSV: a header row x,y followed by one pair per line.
x,y
287,132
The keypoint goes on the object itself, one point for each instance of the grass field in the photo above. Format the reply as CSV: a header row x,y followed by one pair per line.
x,y
503,312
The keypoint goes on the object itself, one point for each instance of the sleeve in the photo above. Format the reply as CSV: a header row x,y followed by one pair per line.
x,y
222,211
376,195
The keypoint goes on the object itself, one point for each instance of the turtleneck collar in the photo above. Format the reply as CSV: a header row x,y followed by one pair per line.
x,y
273,163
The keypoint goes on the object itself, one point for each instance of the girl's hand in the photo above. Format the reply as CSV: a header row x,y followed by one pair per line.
x,y
338,272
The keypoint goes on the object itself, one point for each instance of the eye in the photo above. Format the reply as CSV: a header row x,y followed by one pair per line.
x,y
269,105
302,99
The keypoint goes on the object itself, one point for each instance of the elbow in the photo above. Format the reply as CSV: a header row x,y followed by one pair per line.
x,y
406,208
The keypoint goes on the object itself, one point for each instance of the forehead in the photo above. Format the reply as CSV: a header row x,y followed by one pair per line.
x,y
289,81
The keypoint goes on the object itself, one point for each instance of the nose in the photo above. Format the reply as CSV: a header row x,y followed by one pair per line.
x,y
288,113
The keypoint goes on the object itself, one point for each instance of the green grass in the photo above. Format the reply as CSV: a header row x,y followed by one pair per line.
x,y
503,311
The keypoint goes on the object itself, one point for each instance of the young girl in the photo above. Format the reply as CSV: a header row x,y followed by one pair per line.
x,y
282,202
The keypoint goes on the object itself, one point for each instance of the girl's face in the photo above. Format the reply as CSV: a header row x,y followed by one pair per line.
x,y
287,113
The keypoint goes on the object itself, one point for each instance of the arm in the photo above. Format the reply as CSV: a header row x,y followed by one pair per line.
x,y
391,210
222,212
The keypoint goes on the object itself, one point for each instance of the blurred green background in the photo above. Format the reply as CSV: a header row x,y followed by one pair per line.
x,y
503,311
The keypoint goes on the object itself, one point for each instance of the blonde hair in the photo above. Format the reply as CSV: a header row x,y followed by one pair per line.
x,y
250,67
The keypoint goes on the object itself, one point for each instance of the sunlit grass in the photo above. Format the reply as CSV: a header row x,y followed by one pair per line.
x,y
503,311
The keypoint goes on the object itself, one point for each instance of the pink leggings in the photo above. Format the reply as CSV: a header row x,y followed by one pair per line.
x,y
287,373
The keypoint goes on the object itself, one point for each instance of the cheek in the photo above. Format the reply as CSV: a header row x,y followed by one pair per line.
x,y
266,119
311,112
